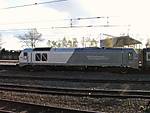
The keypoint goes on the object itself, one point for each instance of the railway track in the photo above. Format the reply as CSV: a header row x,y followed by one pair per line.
x,y
10,106
76,91
47,78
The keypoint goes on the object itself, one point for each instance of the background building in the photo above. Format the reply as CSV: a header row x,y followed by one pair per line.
x,y
122,41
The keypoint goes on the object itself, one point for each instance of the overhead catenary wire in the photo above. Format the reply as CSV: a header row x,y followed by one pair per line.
x,y
83,18
52,20
40,3
21,29
63,27
69,20
88,26
70,26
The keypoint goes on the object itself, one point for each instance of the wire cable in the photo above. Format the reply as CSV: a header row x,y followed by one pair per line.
x,y
98,17
62,27
51,20
90,26
41,3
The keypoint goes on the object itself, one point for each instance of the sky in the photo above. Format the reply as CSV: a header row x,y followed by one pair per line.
x,y
131,16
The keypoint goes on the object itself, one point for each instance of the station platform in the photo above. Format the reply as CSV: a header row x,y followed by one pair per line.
x,y
9,62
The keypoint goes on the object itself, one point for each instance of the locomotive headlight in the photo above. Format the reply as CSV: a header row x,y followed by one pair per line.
x,y
140,63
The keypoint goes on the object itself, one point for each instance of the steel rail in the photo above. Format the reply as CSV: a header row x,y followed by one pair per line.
x,y
47,78
76,91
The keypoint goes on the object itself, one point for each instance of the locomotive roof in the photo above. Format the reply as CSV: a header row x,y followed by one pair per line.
x,y
78,49
28,49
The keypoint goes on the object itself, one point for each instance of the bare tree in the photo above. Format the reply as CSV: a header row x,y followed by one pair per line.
x,y
88,42
83,41
31,38
52,43
49,43
74,42
93,43
63,43
69,43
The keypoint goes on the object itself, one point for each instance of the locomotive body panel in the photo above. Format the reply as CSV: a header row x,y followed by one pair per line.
x,y
100,57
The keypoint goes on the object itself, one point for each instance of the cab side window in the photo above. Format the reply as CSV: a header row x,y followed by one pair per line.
x,y
25,54
44,57
37,56
130,56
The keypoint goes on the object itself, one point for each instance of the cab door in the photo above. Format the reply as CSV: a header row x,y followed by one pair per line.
x,y
127,58
25,57
132,59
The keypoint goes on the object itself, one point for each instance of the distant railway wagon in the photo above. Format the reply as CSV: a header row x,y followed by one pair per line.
x,y
9,55
122,58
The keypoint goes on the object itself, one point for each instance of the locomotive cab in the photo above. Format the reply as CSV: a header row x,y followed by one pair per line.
x,y
25,57
146,59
